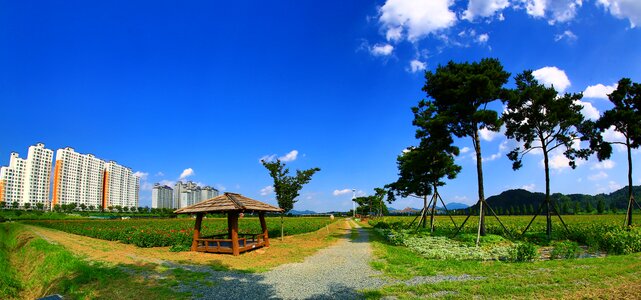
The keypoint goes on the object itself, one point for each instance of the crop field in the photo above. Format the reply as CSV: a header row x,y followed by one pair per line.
x,y
175,232
598,232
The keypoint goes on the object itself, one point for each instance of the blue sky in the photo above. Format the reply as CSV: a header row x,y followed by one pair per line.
x,y
204,90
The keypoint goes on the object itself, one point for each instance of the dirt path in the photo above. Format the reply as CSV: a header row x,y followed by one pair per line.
x,y
336,272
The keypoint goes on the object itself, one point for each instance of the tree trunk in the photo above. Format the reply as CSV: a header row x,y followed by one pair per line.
x,y
424,214
548,216
282,231
630,196
479,172
434,198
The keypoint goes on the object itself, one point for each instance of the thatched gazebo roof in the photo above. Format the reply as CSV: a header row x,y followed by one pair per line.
x,y
228,202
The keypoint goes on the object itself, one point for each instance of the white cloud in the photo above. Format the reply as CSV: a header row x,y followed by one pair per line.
x,y
556,10
381,49
417,65
266,190
488,135
559,162
465,150
160,174
341,192
492,157
415,18
267,158
291,156
622,9
483,38
394,34
186,173
588,110
146,186
567,35
598,176
220,187
613,186
484,8
535,8
552,76
599,91
611,135
603,165
141,175
529,187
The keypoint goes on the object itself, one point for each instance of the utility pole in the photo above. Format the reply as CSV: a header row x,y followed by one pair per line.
x,y
354,202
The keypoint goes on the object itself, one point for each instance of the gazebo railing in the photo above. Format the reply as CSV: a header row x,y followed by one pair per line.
x,y
213,243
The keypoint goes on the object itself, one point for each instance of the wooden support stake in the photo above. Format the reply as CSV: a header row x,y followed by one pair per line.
x,y
234,233
263,226
199,220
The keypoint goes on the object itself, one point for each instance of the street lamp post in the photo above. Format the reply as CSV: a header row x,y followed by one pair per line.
x,y
354,202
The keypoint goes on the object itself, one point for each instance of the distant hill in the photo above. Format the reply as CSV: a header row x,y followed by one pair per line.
x,y
454,205
521,200
302,212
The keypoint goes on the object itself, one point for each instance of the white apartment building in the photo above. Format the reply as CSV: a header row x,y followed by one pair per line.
x,y
162,196
190,193
27,180
78,178
121,186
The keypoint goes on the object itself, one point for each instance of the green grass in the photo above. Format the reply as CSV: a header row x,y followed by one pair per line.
x,y
32,268
540,279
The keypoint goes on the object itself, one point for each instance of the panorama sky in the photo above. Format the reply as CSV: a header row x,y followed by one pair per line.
x,y
203,90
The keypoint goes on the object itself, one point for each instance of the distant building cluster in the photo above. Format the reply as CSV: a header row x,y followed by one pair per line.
x,y
77,178
181,195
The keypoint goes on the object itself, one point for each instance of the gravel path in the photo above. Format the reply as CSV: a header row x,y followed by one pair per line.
x,y
336,272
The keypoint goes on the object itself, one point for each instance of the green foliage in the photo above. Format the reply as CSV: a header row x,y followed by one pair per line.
x,y
179,248
565,250
287,187
524,252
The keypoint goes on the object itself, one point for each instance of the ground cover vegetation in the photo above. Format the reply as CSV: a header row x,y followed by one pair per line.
x,y
610,277
177,233
31,267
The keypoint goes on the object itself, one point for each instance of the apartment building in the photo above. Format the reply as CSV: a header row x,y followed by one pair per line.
x,y
190,193
78,178
162,196
27,180
85,179
120,186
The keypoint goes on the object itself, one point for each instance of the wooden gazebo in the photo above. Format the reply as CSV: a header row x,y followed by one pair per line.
x,y
234,243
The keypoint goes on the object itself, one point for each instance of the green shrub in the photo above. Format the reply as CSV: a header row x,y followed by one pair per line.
x,y
565,249
524,252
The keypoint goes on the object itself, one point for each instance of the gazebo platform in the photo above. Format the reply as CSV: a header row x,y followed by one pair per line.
x,y
232,242
218,244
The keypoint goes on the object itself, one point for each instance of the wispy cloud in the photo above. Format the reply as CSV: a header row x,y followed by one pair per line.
x,y
186,173
266,190
291,156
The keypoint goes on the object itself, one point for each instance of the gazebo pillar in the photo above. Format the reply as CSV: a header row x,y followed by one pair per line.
x,y
263,226
233,217
199,221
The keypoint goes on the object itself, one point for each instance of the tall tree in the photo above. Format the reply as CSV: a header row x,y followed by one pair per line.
x,y
422,168
287,187
542,121
461,93
625,118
